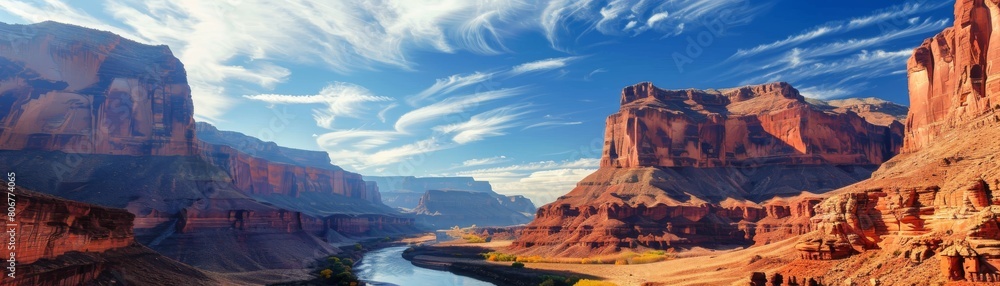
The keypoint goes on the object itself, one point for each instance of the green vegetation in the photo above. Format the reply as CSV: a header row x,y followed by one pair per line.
x,y
358,247
517,265
336,271
554,280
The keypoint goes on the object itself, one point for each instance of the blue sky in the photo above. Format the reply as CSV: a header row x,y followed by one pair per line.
x,y
510,91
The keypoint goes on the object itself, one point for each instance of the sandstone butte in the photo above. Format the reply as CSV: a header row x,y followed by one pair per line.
x,y
929,215
97,118
686,168
75,243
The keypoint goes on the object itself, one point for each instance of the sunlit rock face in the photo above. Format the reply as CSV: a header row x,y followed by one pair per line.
x,y
937,199
748,126
76,90
686,168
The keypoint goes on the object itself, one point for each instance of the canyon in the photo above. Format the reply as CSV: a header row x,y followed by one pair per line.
x,y
686,168
117,130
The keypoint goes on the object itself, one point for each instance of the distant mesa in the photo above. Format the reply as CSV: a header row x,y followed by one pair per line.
x,y
444,202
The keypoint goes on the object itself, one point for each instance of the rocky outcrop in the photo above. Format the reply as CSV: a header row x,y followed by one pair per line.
x,y
77,90
686,168
873,109
60,242
444,209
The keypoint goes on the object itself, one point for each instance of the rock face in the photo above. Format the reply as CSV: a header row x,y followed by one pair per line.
x,y
951,78
100,119
76,90
62,242
936,200
872,109
443,209
450,201
746,127
688,168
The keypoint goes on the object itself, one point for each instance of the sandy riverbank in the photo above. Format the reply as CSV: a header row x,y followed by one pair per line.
x,y
696,267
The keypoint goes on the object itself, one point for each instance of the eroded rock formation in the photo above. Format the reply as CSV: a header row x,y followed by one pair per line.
x,y
60,242
684,168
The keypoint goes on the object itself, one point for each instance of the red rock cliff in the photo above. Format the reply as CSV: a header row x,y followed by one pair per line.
x,y
76,90
952,78
747,126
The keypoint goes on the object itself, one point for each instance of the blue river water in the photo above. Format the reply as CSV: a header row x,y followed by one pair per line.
x,y
387,267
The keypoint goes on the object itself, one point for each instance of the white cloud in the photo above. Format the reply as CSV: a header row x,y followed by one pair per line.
x,y
487,124
825,93
541,65
552,124
657,18
541,181
339,99
484,161
447,85
449,106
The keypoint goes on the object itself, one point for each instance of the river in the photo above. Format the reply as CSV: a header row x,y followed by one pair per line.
x,y
386,266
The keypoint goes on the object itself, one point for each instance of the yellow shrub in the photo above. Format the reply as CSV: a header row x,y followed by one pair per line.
x,y
588,282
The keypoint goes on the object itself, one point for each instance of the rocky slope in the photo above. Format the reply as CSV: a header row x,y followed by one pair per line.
x,y
449,201
684,168
932,210
117,130
62,242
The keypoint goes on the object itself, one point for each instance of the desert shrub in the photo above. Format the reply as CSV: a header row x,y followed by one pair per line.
x,y
499,256
518,265
548,282
358,247
621,262
472,238
326,273
588,282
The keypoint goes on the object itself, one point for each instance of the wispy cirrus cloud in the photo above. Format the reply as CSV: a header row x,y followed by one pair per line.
x,y
541,65
448,85
893,16
485,161
619,17
453,105
339,99
487,124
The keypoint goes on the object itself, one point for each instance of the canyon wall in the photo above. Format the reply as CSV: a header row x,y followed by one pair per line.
x,y
686,168
77,90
